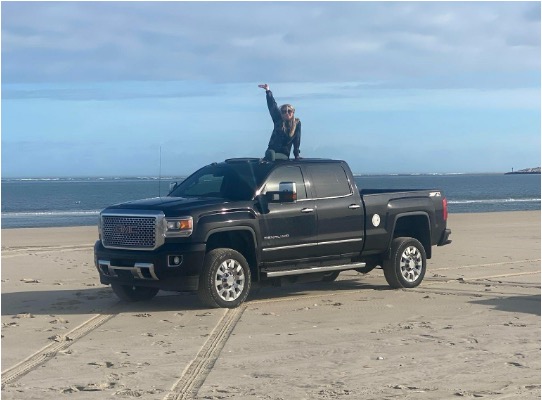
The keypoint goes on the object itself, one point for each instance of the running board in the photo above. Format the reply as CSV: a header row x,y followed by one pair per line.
x,y
312,270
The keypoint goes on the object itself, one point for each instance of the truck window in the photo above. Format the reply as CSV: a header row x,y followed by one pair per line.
x,y
329,180
232,182
205,185
286,174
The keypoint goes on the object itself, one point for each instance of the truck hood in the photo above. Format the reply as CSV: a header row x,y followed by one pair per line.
x,y
168,203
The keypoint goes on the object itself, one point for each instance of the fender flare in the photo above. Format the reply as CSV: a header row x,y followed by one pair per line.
x,y
407,214
236,229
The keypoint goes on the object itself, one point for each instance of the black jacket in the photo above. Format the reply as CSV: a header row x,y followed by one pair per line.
x,y
281,141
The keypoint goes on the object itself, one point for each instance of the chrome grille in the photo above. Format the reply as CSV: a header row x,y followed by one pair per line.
x,y
133,232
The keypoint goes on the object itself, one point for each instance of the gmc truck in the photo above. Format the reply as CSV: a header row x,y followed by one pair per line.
x,y
245,220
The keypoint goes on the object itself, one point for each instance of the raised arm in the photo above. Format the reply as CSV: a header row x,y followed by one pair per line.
x,y
271,104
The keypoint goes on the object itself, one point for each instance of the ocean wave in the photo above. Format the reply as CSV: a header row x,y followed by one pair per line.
x,y
50,214
493,201
94,179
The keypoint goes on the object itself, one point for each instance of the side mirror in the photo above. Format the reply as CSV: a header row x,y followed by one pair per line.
x,y
287,193
172,185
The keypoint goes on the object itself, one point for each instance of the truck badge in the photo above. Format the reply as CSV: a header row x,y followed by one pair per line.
x,y
125,230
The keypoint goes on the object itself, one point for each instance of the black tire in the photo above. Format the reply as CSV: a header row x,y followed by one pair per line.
x,y
133,293
330,276
225,279
407,263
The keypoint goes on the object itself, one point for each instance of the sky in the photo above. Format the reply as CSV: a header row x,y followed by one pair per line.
x,y
149,88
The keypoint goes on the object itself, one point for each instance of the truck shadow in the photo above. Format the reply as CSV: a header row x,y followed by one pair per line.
x,y
103,300
311,289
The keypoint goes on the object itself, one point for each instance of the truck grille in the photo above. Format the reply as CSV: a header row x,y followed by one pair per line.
x,y
133,232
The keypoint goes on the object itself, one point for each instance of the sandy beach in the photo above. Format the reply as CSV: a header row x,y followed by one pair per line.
x,y
471,330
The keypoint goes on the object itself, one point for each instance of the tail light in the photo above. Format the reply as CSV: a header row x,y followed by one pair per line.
x,y
444,209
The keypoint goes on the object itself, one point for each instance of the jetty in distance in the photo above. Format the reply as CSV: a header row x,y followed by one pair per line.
x,y
524,171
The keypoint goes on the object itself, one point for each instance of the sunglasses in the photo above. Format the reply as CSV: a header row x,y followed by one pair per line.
x,y
289,111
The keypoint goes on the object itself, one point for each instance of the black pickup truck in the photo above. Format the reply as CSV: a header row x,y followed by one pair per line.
x,y
246,220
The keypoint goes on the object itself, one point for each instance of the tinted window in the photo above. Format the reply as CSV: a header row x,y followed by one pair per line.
x,y
286,174
329,180
235,181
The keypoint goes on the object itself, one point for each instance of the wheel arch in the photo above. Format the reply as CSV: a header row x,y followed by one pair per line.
x,y
412,224
241,239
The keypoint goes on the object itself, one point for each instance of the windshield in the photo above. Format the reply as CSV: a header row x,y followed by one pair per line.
x,y
236,181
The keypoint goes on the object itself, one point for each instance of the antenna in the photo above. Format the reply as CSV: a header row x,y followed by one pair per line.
x,y
160,173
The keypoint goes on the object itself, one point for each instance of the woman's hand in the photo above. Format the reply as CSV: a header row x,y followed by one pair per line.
x,y
264,86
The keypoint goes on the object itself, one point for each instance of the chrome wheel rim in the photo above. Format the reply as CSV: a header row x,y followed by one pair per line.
x,y
411,264
230,280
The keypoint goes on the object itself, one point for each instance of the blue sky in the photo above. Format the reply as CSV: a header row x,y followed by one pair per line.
x,y
97,88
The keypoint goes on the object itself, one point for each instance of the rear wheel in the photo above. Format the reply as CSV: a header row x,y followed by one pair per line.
x,y
133,293
225,279
407,263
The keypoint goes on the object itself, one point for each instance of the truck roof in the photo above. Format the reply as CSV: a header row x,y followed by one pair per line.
x,y
260,160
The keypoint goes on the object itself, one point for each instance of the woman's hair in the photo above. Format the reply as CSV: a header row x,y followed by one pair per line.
x,y
289,126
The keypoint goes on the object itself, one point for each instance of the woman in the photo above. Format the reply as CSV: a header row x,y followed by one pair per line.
x,y
286,130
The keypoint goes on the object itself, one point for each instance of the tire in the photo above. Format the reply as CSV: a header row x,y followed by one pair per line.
x,y
407,263
225,279
330,276
133,293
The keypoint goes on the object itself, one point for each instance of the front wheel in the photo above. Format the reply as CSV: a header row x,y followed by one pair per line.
x,y
225,279
407,263
133,293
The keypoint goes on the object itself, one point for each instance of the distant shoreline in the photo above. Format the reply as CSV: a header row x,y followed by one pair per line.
x,y
526,171
523,173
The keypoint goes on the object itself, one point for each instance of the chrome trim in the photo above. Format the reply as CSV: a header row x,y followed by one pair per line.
x,y
312,244
135,270
334,197
289,247
159,226
307,210
354,206
315,269
341,241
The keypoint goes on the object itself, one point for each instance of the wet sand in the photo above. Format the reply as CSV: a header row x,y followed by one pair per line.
x,y
471,330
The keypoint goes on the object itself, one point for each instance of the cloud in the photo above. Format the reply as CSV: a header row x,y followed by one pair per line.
x,y
273,41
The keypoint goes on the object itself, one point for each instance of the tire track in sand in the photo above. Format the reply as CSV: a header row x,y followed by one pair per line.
x,y
49,351
10,252
194,375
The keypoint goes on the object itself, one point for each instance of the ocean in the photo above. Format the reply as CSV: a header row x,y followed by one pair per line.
x,y
78,201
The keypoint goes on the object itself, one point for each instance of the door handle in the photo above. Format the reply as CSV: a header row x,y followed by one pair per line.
x,y
307,210
354,206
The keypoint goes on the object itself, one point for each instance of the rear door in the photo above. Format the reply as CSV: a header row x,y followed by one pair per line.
x,y
288,229
339,211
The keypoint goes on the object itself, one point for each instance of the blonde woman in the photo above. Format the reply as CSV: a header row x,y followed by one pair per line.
x,y
286,129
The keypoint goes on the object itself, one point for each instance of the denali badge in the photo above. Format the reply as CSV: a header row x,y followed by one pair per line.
x,y
286,235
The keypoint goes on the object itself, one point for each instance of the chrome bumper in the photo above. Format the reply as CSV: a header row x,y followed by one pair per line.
x,y
139,270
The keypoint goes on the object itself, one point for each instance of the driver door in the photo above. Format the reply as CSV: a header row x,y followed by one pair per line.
x,y
289,230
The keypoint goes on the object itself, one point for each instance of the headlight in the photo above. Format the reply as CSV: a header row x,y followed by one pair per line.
x,y
179,226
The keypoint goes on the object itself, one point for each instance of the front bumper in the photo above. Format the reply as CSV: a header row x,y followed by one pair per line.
x,y
151,268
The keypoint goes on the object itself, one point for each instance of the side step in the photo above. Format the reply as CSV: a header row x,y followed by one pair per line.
x,y
311,270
